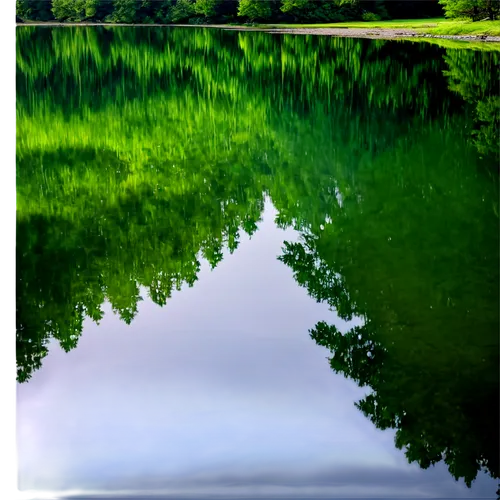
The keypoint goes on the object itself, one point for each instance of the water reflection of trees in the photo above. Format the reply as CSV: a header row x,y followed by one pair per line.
x,y
475,77
139,153
414,251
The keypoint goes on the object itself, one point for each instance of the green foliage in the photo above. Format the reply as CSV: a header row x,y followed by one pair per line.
x,y
374,10
63,9
381,10
218,10
324,10
164,11
488,116
21,9
293,5
74,10
182,11
473,9
208,8
90,7
142,152
370,16
475,78
36,10
124,11
428,348
254,10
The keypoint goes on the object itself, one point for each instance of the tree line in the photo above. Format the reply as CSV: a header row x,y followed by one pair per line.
x,y
222,11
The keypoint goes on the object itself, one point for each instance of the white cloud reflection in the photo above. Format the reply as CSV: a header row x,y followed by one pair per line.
x,y
221,393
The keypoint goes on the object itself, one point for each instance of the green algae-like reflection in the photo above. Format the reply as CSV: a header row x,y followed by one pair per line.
x,y
142,151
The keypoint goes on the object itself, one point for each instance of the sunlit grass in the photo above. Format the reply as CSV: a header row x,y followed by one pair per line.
x,y
434,26
461,44
491,28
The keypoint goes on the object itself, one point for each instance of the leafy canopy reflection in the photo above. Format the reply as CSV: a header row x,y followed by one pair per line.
x,y
413,249
141,152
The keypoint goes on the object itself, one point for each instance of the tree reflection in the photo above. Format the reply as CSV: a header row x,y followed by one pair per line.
x,y
413,250
142,152
68,264
475,77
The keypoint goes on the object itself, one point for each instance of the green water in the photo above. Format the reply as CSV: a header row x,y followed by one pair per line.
x,y
142,152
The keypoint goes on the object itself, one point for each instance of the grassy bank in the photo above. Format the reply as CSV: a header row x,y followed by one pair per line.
x,y
461,44
437,26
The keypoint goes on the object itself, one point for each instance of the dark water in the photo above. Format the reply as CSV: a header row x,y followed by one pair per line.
x,y
258,187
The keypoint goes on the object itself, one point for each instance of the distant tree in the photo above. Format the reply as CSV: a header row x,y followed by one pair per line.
x,y
254,10
377,7
36,10
152,11
208,8
90,8
428,348
219,9
182,11
63,9
144,12
124,11
475,78
473,9
104,10
412,9
74,10
292,5
23,9
321,10
163,10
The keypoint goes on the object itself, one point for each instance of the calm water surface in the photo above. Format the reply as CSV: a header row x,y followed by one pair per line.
x,y
256,265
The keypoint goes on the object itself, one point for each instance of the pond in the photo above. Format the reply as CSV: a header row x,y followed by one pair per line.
x,y
255,265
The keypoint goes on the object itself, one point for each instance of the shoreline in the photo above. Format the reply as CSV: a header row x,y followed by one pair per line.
x,y
370,33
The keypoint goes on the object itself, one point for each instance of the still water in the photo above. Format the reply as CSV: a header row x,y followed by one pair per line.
x,y
256,265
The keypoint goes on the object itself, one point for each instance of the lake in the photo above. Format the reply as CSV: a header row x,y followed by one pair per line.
x,y
253,265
